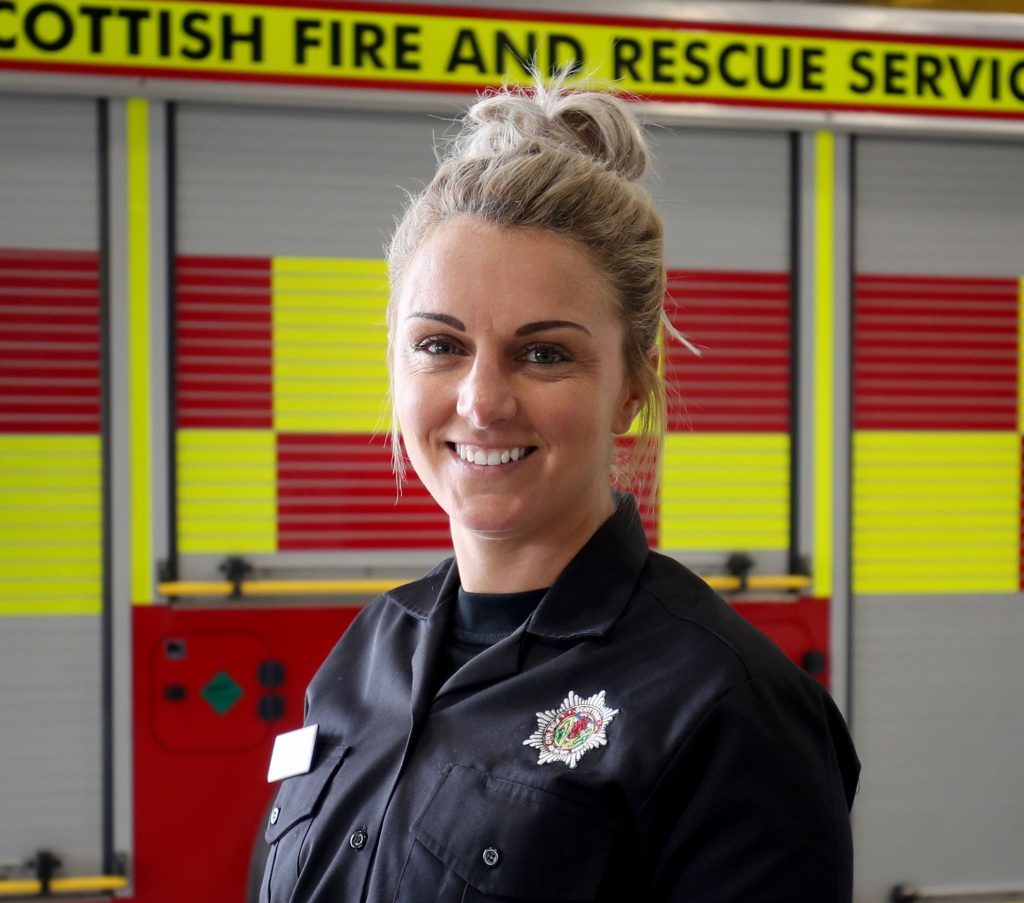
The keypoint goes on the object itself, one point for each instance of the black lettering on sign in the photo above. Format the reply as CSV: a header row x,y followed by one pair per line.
x,y
859,63
367,41
135,18
96,15
1017,80
812,68
625,54
662,59
559,59
928,69
523,56
764,77
336,54
253,37
306,36
728,76
694,54
194,25
7,43
163,18
466,52
37,32
406,46
966,85
894,73
997,86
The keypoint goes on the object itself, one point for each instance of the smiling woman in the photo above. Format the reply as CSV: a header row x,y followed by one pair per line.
x,y
557,713
509,383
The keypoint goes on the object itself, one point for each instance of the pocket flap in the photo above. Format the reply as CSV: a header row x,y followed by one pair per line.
x,y
299,796
510,839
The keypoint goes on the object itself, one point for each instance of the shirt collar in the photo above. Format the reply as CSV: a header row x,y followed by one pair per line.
x,y
586,599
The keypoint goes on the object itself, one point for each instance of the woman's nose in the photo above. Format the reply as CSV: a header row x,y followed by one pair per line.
x,y
485,395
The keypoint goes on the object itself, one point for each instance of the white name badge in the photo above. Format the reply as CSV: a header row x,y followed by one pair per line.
x,y
293,753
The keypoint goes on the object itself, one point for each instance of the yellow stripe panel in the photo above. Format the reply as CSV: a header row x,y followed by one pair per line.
x,y
51,529
330,344
824,359
725,491
143,572
227,491
936,512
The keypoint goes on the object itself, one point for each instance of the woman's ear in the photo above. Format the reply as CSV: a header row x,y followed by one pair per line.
x,y
634,399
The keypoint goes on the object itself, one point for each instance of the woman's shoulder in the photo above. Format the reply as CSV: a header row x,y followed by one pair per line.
x,y
673,594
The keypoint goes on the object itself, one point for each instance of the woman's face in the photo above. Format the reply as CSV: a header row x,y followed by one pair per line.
x,y
508,380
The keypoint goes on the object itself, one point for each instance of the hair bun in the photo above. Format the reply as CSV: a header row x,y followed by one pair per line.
x,y
598,125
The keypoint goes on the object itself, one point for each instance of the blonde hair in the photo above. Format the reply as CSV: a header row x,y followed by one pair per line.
x,y
569,162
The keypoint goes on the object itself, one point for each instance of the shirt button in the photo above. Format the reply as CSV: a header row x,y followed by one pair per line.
x,y
274,815
358,839
491,857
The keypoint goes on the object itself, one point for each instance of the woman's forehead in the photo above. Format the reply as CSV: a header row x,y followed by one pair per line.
x,y
491,272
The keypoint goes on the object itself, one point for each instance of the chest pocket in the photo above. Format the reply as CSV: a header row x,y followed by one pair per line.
x,y
295,808
481,837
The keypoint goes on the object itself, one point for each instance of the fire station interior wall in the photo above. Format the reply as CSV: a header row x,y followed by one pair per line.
x,y
282,218
50,478
937,711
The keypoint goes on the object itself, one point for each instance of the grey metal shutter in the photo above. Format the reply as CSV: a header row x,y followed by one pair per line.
x,y
282,215
724,197
281,379
50,482
937,612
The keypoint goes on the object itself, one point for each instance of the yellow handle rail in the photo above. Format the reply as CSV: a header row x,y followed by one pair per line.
x,y
908,893
186,588
81,884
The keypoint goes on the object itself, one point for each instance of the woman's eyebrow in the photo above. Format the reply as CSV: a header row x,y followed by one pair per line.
x,y
441,318
541,325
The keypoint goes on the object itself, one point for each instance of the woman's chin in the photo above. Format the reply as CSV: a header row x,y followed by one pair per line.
x,y
489,521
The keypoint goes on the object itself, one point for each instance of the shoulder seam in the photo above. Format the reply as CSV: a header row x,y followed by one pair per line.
x,y
703,627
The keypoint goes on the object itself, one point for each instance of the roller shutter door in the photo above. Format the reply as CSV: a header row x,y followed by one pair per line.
x,y
937,511
726,468
280,340
281,292
50,482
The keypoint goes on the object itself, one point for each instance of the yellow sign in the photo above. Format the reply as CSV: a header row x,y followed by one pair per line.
x,y
399,47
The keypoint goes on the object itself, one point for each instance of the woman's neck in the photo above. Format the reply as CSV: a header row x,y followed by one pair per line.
x,y
513,564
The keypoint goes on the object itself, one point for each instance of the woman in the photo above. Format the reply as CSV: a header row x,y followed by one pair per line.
x,y
557,713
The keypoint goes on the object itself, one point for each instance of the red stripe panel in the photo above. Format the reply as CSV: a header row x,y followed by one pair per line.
x,y
49,341
935,352
337,491
741,322
224,342
644,485
1021,513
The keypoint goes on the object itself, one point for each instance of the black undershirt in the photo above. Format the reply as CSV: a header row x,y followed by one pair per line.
x,y
479,621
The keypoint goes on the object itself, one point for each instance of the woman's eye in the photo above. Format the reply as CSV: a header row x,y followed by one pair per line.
x,y
437,345
546,354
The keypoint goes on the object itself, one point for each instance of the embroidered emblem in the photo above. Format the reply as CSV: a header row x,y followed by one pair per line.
x,y
576,726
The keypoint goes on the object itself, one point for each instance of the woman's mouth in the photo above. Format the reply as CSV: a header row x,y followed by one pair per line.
x,y
490,457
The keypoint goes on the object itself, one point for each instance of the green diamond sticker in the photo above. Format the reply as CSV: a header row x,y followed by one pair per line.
x,y
222,692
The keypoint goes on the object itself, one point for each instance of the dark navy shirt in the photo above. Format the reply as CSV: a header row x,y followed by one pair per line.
x,y
633,739
480,620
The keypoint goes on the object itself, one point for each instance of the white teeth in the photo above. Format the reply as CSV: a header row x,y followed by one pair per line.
x,y
489,457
